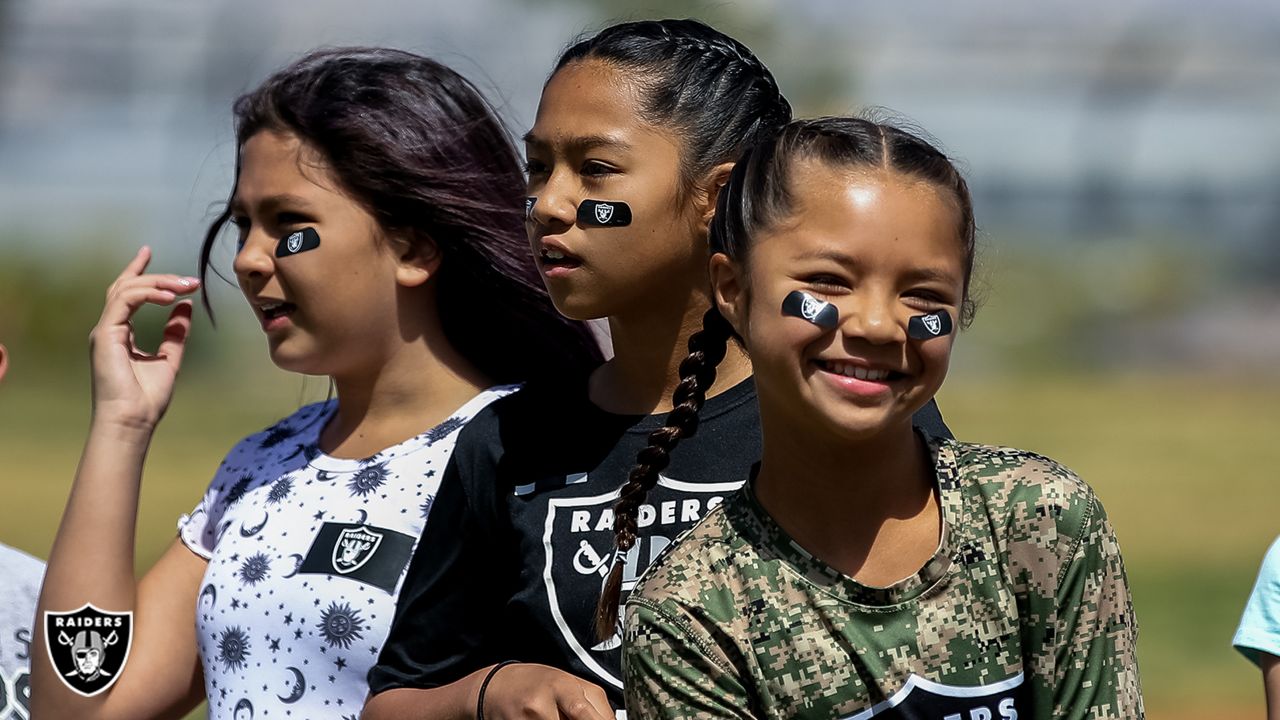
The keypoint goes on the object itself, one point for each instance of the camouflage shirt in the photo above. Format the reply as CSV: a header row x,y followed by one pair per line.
x,y
1023,612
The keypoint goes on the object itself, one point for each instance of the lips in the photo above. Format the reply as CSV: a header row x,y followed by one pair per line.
x,y
553,256
274,313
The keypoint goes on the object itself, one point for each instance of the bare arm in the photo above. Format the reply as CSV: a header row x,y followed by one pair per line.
x,y
1271,682
92,556
528,691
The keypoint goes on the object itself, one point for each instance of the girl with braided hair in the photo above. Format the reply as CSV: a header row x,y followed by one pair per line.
x,y
636,131
869,568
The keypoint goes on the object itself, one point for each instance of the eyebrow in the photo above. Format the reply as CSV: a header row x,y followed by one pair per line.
x,y
583,143
274,202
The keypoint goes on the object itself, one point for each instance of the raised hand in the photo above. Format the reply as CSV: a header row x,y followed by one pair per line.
x,y
130,386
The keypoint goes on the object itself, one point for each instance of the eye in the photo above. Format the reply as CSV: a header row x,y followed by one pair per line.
x,y
826,284
285,218
926,299
533,166
597,169
242,230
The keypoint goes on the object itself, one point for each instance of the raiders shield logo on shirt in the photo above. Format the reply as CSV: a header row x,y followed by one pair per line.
x,y
88,647
359,551
575,570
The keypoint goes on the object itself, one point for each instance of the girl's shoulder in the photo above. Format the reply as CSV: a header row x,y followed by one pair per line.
x,y
295,432
1041,514
1011,480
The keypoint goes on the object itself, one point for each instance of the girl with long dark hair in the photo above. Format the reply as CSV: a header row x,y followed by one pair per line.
x,y
380,244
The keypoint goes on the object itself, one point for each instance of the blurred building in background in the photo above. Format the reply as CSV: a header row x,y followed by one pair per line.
x,y
1125,157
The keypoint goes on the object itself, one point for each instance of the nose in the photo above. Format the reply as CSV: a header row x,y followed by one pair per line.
x,y
872,320
254,258
557,205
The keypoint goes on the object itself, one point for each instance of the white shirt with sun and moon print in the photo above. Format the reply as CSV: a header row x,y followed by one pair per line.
x,y
306,554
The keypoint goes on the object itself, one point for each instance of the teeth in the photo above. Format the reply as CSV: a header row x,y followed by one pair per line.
x,y
857,371
554,255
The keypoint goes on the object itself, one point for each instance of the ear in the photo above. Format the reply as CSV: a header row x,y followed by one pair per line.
x,y
708,192
728,291
417,258
4,361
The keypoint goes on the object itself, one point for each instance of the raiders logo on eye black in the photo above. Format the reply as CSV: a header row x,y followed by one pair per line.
x,y
529,202
297,242
88,647
932,325
801,304
601,213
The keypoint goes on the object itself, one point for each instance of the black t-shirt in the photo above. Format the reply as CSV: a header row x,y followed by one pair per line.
x,y
512,562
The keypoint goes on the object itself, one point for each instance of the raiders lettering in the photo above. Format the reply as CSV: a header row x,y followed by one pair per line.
x,y
88,647
921,699
579,552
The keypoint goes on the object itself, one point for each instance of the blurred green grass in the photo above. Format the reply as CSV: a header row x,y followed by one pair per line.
x,y
1185,465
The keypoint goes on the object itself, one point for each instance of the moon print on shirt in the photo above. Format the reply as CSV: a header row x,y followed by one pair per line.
x,y
243,711
426,506
296,565
255,529
233,648
212,593
340,625
296,689
368,480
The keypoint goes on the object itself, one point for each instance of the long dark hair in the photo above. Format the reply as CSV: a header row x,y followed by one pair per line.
x,y
718,98
418,146
757,196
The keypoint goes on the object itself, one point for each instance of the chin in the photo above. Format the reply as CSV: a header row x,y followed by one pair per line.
x,y
580,307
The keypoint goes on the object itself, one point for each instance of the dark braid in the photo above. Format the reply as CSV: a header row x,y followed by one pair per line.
x,y
717,98
707,348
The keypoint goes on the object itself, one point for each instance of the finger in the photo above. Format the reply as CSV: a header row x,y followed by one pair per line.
x,y
127,301
137,264
577,706
176,332
179,284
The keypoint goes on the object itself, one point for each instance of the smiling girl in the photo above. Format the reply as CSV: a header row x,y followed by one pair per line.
x,y
380,244
869,568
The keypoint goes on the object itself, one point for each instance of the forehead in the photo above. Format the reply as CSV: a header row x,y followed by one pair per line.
x,y
866,212
593,99
274,163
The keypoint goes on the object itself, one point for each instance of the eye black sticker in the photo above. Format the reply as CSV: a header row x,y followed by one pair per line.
x,y
603,213
529,202
932,325
801,304
300,241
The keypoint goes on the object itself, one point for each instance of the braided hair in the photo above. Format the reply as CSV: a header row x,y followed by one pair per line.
x,y
718,98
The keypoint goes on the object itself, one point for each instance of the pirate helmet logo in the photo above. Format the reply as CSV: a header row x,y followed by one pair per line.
x,y
88,647
294,242
932,323
811,307
354,547
604,212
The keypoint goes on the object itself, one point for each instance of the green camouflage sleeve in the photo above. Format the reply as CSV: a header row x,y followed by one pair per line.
x,y
671,672
1096,631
